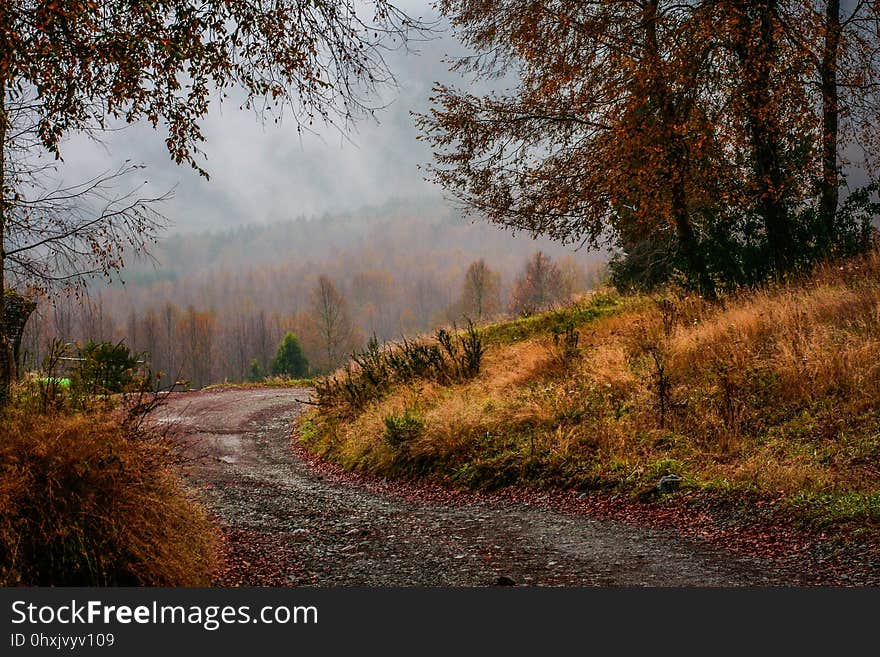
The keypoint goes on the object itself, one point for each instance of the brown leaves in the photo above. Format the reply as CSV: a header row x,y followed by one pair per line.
x,y
629,117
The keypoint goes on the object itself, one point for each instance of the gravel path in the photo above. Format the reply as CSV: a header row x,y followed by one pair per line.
x,y
287,523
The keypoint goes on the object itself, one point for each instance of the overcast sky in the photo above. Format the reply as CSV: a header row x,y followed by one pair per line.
x,y
269,172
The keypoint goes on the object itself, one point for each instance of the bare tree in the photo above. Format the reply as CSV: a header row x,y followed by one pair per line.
x,y
329,313
150,332
81,66
261,340
428,300
539,285
169,319
480,293
237,348
196,330
375,295
55,237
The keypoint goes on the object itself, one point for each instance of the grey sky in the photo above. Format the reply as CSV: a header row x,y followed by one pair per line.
x,y
268,172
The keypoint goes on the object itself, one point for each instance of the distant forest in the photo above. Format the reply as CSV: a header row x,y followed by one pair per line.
x,y
214,306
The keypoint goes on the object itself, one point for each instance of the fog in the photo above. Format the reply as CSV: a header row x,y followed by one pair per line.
x,y
261,171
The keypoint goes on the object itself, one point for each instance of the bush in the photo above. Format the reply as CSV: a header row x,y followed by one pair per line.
x,y
736,252
565,350
450,357
106,368
255,371
464,352
87,500
400,429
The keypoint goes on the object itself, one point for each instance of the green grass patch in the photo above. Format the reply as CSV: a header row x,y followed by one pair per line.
x,y
825,509
597,306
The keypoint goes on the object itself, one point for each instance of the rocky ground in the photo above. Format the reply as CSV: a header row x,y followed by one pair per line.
x,y
290,520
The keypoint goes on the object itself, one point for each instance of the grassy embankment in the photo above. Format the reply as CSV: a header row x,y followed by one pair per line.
x,y
770,393
90,499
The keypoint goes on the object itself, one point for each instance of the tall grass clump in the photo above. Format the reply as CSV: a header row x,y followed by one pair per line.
x,y
450,357
91,499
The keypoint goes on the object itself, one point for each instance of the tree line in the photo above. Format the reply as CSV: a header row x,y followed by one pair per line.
x,y
85,67
245,341
710,141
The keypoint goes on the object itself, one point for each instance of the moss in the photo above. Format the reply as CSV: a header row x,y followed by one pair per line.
x,y
597,306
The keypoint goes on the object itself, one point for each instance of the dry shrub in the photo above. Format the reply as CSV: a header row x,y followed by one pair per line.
x,y
82,503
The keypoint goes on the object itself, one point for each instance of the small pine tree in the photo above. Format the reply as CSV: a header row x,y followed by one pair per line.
x,y
289,360
105,367
255,371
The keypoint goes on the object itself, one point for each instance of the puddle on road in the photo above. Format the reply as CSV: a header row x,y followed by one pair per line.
x,y
224,447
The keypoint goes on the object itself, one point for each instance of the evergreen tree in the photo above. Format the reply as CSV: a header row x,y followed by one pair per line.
x,y
255,371
289,360
105,367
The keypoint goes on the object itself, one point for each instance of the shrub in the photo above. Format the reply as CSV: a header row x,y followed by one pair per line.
x,y
255,371
565,350
88,500
401,429
464,351
450,357
106,368
736,251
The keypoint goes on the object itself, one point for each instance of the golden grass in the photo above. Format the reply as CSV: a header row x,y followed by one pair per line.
x,y
771,390
82,502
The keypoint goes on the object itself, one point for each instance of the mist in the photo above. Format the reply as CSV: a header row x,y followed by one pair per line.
x,y
263,172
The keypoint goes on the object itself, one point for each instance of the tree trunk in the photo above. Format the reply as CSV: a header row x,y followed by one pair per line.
x,y
675,158
6,357
687,238
830,186
17,310
758,55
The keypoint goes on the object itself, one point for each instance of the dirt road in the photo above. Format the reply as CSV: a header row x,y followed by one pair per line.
x,y
286,523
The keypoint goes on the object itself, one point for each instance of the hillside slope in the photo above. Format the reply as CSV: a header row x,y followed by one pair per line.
x,y
767,403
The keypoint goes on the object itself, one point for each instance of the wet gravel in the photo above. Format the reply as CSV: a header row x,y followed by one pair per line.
x,y
289,522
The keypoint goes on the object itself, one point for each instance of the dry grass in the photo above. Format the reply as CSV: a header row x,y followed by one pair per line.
x,y
83,502
770,391
268,382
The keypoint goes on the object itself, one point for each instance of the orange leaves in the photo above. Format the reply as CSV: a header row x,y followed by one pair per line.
x,y
632,116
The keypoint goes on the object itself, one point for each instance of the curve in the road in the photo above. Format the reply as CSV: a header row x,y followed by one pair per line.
x,y
286,524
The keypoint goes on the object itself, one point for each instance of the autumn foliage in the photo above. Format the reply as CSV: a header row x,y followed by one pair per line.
x,y
689,134
771,396
87,66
